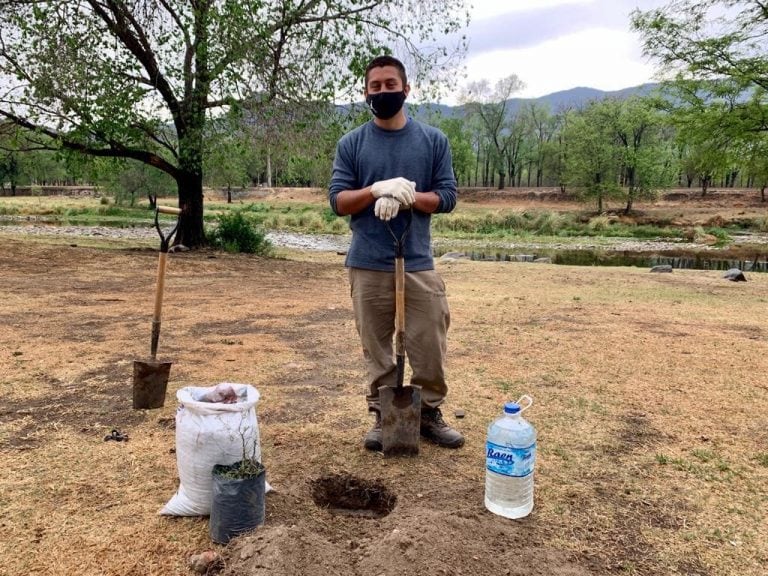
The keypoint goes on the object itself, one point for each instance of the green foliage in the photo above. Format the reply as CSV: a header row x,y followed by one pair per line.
x,y
234,233
248,468
130,181
114,81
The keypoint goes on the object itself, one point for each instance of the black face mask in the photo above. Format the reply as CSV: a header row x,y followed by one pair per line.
x,y
384,105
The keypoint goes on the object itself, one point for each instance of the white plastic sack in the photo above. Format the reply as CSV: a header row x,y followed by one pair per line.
x,y
210,433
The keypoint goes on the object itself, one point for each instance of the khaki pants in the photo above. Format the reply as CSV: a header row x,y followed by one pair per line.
x,y
426,324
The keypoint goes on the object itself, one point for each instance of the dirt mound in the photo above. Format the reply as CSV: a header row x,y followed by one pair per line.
x,y
410,541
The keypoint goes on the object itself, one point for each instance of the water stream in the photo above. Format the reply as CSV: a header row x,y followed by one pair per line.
x,y
748,252
596,257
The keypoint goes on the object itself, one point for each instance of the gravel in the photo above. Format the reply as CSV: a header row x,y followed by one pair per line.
x,y
340,243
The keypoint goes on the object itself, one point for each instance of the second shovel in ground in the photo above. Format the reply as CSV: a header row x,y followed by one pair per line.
x,y
150,377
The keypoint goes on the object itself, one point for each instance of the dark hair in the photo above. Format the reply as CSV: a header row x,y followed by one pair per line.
x,y
381,61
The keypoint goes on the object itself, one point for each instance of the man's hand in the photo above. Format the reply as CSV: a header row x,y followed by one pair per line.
x,y
386,208
401,189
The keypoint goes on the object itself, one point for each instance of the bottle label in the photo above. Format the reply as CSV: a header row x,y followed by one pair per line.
x,y
508,461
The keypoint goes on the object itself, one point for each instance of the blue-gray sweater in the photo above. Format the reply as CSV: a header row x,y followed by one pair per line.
x,y
368,154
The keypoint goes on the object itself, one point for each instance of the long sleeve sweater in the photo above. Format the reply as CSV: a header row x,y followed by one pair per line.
x,y
367,154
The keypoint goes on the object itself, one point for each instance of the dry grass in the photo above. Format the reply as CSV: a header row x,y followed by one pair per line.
x,y
650,389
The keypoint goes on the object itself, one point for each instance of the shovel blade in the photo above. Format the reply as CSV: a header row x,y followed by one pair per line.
x,y
150,379
400,419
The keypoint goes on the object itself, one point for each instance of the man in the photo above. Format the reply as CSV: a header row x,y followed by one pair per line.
x,y
389,166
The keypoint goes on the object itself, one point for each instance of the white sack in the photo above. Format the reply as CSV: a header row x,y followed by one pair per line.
x,y
210,433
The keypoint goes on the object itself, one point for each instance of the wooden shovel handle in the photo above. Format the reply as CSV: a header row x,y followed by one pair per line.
x,y
168,210
161,264
400,306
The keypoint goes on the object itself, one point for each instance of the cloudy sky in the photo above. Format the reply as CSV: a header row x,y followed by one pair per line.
x,y
555,45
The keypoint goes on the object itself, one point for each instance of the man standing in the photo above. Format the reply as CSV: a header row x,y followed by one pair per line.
x,y
389,166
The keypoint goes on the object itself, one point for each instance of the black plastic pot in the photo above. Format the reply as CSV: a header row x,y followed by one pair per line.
x,y
237,504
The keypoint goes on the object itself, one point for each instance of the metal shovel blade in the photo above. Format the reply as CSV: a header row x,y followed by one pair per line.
x,y
150,379
400,419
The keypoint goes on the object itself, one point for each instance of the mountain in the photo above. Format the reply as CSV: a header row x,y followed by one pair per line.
x,y
574,97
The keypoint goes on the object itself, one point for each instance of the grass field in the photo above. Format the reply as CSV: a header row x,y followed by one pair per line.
x,y
650,403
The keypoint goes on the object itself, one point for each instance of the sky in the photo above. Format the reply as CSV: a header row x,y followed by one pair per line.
x,y
554,45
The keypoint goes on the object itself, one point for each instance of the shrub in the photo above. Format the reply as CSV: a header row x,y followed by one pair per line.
x,y
599,223
236,234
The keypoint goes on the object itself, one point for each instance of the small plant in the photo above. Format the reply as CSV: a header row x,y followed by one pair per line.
x,y
248,468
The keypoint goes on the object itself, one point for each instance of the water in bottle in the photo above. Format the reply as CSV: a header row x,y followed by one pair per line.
x,y
510,455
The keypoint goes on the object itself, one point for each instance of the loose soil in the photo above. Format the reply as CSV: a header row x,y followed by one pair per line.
x,y
650,394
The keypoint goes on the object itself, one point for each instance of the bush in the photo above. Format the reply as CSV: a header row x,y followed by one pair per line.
x,y
236,234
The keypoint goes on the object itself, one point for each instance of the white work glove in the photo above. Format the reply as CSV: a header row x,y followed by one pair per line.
x,y
386,208
401,189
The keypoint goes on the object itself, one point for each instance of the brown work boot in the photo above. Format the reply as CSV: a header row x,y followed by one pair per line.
x,y
434,428
373,438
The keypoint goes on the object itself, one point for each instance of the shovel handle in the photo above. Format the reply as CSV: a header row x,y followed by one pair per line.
x,y
168,210
400,306
161,264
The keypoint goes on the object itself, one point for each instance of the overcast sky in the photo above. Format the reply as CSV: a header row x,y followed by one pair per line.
x,y
555,45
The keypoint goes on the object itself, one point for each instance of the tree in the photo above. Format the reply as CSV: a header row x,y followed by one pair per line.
x,y
9,163
594,159
227,155
129,180
140,79
754,151
646,165
540,127
461,147
717,54
490,105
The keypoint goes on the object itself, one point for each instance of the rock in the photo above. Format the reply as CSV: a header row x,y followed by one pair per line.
x,y
662,268
735,275
201,563
543,260
459,413
452,256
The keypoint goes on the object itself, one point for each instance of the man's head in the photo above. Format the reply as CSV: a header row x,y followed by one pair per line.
x,y
385,62
386,86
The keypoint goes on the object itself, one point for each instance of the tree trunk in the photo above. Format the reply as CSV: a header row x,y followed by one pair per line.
x,y
705,185
630,181
191,232
502,178
630,201
762,194
229,193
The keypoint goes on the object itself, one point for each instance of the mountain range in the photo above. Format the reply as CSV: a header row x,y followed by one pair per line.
x,y
574,97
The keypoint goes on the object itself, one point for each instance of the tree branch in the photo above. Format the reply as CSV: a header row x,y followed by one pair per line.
x,y
119,28
115,150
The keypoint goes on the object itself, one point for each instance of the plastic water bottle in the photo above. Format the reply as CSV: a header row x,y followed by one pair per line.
x,y
510,455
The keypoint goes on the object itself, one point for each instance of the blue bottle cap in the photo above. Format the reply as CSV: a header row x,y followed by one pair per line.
x,y
511,408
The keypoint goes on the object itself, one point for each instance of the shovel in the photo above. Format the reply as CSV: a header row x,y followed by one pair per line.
x,y
150,377
400,405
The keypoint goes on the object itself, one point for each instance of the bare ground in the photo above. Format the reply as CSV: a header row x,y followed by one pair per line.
x,y
651,403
